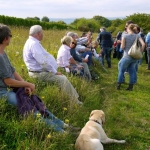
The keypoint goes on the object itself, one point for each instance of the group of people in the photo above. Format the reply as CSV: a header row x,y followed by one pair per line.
x,y
40,65
75,55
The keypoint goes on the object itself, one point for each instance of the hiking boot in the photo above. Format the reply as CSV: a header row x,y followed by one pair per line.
x,y
130,87
118,86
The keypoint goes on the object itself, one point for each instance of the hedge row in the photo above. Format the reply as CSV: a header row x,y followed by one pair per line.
x,y
13,21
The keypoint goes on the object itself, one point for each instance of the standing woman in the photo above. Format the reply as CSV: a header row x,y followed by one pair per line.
x,y
127,61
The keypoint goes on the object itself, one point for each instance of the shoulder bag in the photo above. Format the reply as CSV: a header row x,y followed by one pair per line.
x,y
135,50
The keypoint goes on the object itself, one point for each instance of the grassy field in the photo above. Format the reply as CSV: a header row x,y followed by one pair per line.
x,y
127,112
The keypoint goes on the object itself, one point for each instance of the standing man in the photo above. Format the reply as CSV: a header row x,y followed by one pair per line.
x,y
43,65
105,40
147,41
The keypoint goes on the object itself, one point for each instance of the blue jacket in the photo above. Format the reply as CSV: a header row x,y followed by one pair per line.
x,y
105,39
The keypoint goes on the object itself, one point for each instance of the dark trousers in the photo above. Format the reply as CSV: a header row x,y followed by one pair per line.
x,y
106,54
148,55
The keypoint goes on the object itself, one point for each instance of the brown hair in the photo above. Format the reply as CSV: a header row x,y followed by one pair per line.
x,y
132,27
94,43
4,32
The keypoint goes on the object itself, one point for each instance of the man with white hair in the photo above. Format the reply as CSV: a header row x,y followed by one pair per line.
x,y
43,65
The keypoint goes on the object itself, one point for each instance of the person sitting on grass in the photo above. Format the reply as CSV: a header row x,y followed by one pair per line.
x,y
10,80
65,60
97,56
79,59
43,66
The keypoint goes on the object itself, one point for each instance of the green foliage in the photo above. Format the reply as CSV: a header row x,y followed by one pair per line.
x,y
102,21
86,25
34,18
141,20
45,19
28,22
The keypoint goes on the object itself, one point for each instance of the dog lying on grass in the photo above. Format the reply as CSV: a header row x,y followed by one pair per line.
x,y
92,134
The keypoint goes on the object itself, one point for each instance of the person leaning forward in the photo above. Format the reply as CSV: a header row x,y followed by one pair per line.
x,y
43,65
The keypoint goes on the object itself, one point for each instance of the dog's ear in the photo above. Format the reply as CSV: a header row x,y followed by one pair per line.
x,y
92,113
102,116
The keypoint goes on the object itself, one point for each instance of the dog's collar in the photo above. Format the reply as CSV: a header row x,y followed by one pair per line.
x,y
95,121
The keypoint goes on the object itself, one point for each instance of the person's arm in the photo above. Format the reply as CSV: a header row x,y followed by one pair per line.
x,y
75,56
142,44
147,39
72,61
122,43
17,76
15,83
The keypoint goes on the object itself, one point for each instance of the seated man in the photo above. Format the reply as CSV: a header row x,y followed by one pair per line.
x,y
43,65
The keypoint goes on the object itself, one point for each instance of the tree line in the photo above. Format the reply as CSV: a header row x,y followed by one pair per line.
x,y
113,26
82,24
28,22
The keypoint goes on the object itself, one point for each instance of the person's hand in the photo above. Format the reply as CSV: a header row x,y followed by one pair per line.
x,y
118,41
29,89
85,60
58,73
79,66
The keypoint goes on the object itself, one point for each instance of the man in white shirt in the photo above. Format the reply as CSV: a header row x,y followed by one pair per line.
x,y
43,65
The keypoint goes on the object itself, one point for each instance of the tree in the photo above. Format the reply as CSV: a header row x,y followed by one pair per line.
x,y
37,18
34,18
102,21
45,19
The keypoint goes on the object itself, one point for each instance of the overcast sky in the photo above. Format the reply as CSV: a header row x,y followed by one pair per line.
x,y
73,8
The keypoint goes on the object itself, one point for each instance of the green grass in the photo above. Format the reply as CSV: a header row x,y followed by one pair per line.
x,y
127,113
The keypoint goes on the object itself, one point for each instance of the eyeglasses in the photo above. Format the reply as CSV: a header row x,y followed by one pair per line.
x,y
73,43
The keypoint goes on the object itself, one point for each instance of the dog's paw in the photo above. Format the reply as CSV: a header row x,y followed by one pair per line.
x,y
122,141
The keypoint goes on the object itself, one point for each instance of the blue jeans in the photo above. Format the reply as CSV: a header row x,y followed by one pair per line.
x,y
106,54
148,56
89,58
10,96
130,64
51,120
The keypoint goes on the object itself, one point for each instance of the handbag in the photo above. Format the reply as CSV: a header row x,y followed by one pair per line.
x,y
135,50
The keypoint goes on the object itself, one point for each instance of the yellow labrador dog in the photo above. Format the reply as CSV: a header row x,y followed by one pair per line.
x,y
92,134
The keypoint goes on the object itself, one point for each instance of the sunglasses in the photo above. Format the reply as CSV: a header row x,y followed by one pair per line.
x,y
73,43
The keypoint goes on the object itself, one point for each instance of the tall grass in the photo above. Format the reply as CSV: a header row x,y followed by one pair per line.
x,y
127,113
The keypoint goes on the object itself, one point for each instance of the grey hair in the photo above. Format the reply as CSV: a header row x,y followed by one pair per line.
x,y
35,29
70,34
102,29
